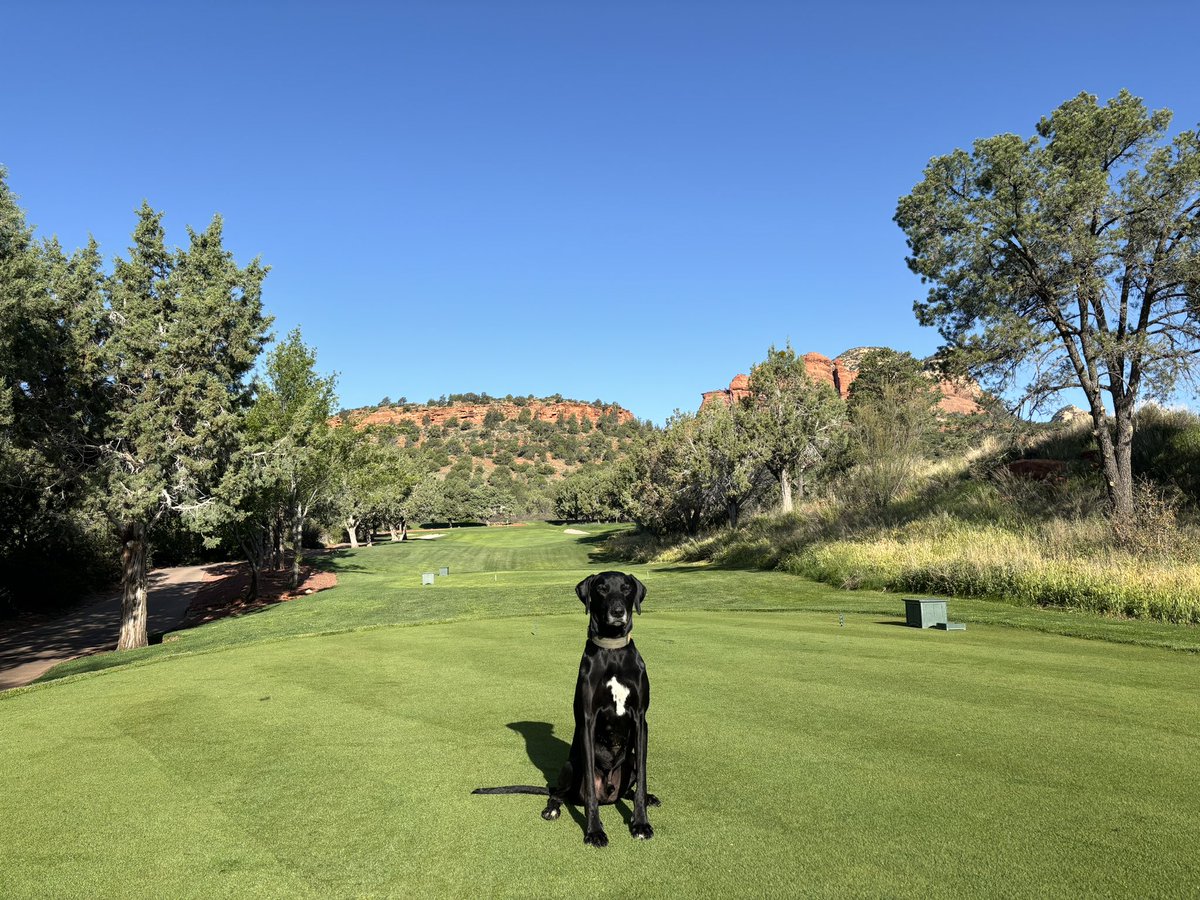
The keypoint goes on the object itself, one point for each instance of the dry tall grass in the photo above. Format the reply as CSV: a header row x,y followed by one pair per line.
x,y
965,529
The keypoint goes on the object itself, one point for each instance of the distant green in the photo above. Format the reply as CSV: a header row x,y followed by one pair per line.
x,y
316,749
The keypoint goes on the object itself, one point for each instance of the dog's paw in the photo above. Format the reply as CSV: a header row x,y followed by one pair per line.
x,y
651,800
551,814
642,832
596,839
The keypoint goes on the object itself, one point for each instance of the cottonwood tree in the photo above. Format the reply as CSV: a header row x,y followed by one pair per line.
x,y
289,422
184,328
1074,255
796,422
280,467
398,476
356,463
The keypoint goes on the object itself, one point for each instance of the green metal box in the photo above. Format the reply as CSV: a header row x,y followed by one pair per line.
x,y
922,612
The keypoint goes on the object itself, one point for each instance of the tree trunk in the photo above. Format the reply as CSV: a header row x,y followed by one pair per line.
x,y
732,511
352,530
404,529
297,544
254,549
1122,491
1115,459
785,485
133,587
392,531
280,539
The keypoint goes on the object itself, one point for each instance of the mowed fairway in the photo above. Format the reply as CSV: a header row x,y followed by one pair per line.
x,y
328,747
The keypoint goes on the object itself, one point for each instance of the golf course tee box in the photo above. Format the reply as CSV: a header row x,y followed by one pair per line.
x,y
328,746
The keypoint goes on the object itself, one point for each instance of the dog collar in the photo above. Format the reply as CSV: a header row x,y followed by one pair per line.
x,y
610,643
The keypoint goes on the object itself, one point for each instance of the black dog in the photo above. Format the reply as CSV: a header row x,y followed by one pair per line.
x,y
608,752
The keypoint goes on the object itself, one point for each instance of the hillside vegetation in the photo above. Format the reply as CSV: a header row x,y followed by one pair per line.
x,y
497,458
967,526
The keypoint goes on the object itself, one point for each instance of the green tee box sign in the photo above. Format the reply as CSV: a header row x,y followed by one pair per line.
x,y
427,578
922,612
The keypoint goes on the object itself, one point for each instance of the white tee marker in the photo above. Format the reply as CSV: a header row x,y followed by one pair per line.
x,y
620,694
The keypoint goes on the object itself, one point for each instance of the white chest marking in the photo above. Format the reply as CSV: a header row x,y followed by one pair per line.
x,y
620,694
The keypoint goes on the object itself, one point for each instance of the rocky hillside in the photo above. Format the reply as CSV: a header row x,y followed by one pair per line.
x,y
958,397
468,413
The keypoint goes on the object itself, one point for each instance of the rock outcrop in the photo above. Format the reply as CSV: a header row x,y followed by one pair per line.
x,y
474,413
1069,415
959,397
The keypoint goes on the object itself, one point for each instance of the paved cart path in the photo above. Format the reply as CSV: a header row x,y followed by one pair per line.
x,y
25,653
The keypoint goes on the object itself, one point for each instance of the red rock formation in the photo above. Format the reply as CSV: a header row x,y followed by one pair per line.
x,y
957,397
738,389
474,413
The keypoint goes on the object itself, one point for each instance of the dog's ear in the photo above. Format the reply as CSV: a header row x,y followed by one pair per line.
x,y
584,590
639,592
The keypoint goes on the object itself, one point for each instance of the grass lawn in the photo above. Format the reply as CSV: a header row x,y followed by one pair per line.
x,y
323,748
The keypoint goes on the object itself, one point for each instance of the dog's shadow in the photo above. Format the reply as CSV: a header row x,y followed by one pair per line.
x,y
549,754
546,751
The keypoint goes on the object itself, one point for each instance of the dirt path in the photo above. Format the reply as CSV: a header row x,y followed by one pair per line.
x,y
25,653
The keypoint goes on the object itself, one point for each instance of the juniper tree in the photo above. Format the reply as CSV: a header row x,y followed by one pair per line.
x,y
184,328
796,422
50,405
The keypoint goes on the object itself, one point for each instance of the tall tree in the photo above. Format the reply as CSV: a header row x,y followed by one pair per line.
x,y
1074,255
398,475
290,422
50,406
184,329
359,490
724,435
796,422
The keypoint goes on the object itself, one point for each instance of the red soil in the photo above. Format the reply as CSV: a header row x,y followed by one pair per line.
x,y
225,595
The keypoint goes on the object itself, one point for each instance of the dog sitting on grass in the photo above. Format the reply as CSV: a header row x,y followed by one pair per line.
x,y
612,693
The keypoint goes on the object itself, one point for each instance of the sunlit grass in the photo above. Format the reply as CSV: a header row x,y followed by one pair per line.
x,y
802,743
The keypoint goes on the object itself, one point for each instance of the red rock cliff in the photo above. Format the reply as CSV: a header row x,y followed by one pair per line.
x,y
473,413
958,397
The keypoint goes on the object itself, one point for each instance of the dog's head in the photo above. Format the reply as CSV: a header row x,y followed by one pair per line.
x,y
608,598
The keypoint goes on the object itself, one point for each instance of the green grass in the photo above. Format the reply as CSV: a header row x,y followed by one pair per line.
x,y
794,756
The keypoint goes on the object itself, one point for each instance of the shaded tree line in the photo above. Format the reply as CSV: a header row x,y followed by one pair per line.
x,y
130,413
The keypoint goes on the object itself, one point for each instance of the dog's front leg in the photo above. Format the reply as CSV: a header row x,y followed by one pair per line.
x,y
594,835
639,825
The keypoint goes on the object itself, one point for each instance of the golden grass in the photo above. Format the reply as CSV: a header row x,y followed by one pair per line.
x,y
966,530
999,564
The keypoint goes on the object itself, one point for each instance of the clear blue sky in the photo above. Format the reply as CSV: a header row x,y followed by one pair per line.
x,y
623,200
